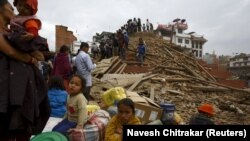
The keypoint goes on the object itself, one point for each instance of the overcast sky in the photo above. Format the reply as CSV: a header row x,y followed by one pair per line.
x,y
224,23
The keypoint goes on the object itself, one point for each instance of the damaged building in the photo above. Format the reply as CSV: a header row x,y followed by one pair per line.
x,y
175,34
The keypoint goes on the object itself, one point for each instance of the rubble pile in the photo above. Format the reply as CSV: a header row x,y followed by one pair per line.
x,y
174,77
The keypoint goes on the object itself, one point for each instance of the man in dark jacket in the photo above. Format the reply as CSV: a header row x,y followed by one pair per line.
x,y
206,112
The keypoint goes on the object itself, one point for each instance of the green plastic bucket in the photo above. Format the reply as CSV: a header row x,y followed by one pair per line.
x,y
49,136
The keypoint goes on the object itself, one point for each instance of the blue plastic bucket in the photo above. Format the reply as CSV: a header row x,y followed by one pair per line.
x,y
168,113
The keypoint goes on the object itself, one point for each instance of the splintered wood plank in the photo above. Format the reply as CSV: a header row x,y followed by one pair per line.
x,y
131,88
192,72
210,88
202,68
177,79
152,94
168,52
175,92
139,81
150,76
172,68
121,71
118,70
171,79
121,76
113,66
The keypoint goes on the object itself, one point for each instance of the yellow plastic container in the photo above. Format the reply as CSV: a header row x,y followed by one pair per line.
x,y
114,94
92,108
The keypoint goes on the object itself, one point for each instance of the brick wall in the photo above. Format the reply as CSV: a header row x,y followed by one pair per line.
x,y
64,37
220,74
234,83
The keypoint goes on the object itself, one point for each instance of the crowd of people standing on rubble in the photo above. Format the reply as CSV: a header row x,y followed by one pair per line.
x,y
117,44
135,25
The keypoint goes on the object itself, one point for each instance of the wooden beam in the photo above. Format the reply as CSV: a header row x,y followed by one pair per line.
x,y
114,59
177,79
150,76
95,75
131,88
168,52
133,63
167,61
117,71
191,71
202,68
175,92
210,88
191,63
157,79
172,68
121,71
182,54
113,66
152,94
108,67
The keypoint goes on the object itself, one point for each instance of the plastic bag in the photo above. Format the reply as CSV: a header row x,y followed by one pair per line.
x,y
113,95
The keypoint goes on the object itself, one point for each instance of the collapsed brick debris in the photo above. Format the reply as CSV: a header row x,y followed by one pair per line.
x,y
171,75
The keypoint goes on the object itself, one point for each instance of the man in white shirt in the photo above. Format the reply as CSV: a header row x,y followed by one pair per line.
x,y
84,67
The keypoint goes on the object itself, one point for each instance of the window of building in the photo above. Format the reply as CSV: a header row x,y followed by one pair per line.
x,y
200,55
187,41
192,44
179,40
232,59
180,31
196,44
